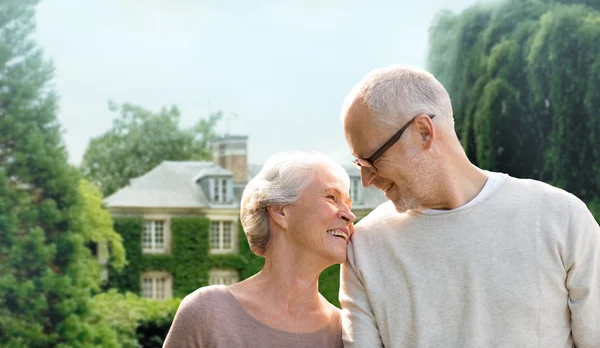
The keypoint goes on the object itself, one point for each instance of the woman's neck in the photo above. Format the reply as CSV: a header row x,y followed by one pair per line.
x,y
284,297
293,289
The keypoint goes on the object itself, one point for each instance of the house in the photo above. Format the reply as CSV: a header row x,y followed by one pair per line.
x,y
173,191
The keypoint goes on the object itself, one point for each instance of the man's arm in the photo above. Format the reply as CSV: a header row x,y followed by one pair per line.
x,y
359,328
583,276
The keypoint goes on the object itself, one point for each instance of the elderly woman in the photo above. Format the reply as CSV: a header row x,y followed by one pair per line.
x,y
296,214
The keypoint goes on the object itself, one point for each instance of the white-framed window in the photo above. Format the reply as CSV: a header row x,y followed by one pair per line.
x,y
220,190
223,277
157,285
153,236
355,188
221,236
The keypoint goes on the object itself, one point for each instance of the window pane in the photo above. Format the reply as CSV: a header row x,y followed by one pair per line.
x,y
223,190
216,191
156,285
159,237
160,288
147,288
147,235
227,235
214,235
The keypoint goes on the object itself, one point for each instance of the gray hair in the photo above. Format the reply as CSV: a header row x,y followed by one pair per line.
x,y
280,182
396,93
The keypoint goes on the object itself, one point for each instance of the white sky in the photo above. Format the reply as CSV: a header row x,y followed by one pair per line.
x,y
284,69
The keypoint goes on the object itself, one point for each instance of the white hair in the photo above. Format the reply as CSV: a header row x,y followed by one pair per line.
x,y
396,93
281,181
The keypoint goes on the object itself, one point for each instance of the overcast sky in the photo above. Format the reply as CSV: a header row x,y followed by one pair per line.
x,y
283,69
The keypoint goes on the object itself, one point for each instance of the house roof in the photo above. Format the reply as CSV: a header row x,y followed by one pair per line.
x,y
175,185
170,184
213,170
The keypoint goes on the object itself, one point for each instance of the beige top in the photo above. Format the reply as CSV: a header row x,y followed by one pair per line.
x,y
212,317
520,268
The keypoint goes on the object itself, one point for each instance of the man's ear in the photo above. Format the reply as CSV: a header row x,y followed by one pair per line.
x,y
278,215
424,125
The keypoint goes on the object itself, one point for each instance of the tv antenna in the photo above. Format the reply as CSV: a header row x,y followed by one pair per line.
x,y
227,117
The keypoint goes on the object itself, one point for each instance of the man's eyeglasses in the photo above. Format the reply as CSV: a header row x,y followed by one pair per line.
x,y
369,162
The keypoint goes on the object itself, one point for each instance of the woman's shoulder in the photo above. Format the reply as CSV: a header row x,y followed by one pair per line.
x,y
206,298
197,315
210,291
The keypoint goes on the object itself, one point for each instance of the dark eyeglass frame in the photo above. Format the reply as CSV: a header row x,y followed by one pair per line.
x,y
370,162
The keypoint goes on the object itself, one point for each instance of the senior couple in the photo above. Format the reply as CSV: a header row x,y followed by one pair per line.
x,y
457,256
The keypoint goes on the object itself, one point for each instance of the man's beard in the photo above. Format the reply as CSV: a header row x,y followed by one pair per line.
x,y
416,192
406,202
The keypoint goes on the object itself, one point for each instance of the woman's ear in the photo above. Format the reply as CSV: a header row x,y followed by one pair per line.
x,y
278,215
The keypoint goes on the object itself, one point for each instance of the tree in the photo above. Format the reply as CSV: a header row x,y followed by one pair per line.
x,y
97,224
139,322
47,274
140,140
524,77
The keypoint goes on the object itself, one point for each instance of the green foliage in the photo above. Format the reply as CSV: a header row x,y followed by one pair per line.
x,y
128,314
46,272
567,42
204,136
189,254
140,140
329,284
595,208
128,278
524,79
96,222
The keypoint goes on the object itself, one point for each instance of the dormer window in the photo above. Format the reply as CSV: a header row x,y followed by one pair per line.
x,y
220,190
216,184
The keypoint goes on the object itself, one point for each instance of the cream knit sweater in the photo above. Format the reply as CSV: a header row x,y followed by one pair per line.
x,y
520,268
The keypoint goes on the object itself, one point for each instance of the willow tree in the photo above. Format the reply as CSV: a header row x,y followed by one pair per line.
x,y
524,77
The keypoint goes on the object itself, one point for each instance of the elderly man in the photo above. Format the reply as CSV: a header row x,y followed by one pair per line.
x,y
458,256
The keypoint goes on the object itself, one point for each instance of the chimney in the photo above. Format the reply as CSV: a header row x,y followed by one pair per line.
x,y
231,153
